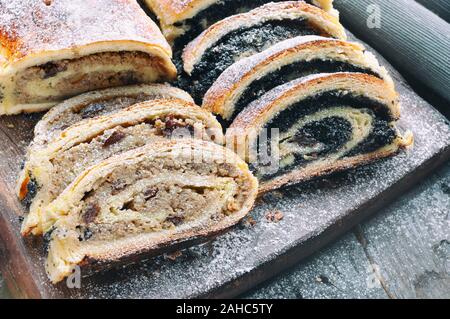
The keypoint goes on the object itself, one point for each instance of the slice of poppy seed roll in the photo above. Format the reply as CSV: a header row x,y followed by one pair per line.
x,y
326,122
250,78
244,35
50,168
141,202
187,19
98,103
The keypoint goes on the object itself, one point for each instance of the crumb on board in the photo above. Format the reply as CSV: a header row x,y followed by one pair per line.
x,y
274,216
173,256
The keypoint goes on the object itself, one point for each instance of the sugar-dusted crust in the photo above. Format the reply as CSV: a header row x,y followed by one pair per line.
x,y
66,251
289,10
32,32
36,32
261,111
226,91
49,125
170,12
39,167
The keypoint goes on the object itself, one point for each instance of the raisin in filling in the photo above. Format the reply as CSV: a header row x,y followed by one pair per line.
x,y
291,72
329,133
238,45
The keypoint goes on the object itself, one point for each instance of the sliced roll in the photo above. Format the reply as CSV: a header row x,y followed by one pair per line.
x,y
250,78
326,122
169,193
51,167
98,103
187,19
52,50
244,35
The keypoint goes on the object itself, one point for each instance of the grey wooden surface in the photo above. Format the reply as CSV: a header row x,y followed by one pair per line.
x,y
408,244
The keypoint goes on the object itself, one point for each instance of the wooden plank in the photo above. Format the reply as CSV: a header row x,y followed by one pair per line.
x,y
410,241
343,270
315,214
340,271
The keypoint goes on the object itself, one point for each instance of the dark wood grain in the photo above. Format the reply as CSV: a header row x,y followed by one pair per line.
x,y
314,214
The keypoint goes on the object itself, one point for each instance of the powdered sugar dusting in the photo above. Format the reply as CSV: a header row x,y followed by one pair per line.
x,y
31,26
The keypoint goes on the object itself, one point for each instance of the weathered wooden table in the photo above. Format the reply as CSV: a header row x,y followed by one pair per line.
x,y
404,252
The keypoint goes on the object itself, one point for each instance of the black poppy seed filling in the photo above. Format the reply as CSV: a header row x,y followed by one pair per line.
x,y
245,40
291,72
333,131
214,13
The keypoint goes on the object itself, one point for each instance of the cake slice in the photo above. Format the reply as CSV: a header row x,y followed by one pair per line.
x,y
243,35
97,103
51,167
250,78
326,123
184,20
172,193
52,50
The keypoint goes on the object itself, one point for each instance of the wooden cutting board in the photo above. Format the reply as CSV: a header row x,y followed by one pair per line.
x,y
314,214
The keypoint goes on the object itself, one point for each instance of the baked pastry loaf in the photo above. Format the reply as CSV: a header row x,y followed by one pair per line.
x,y
170,193
326,122
51,167
184,20
243,35
252,77
52,50
98,103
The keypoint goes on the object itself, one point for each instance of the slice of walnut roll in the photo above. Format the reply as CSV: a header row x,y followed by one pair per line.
x,y
250,78
326,123
244,35
184,20
98,103
52,50
51,167
141,202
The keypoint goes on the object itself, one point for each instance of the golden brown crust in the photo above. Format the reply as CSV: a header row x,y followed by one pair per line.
x,y
227,89
50,122
66,251
31,28
172,11
326,23
39,165
93,44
